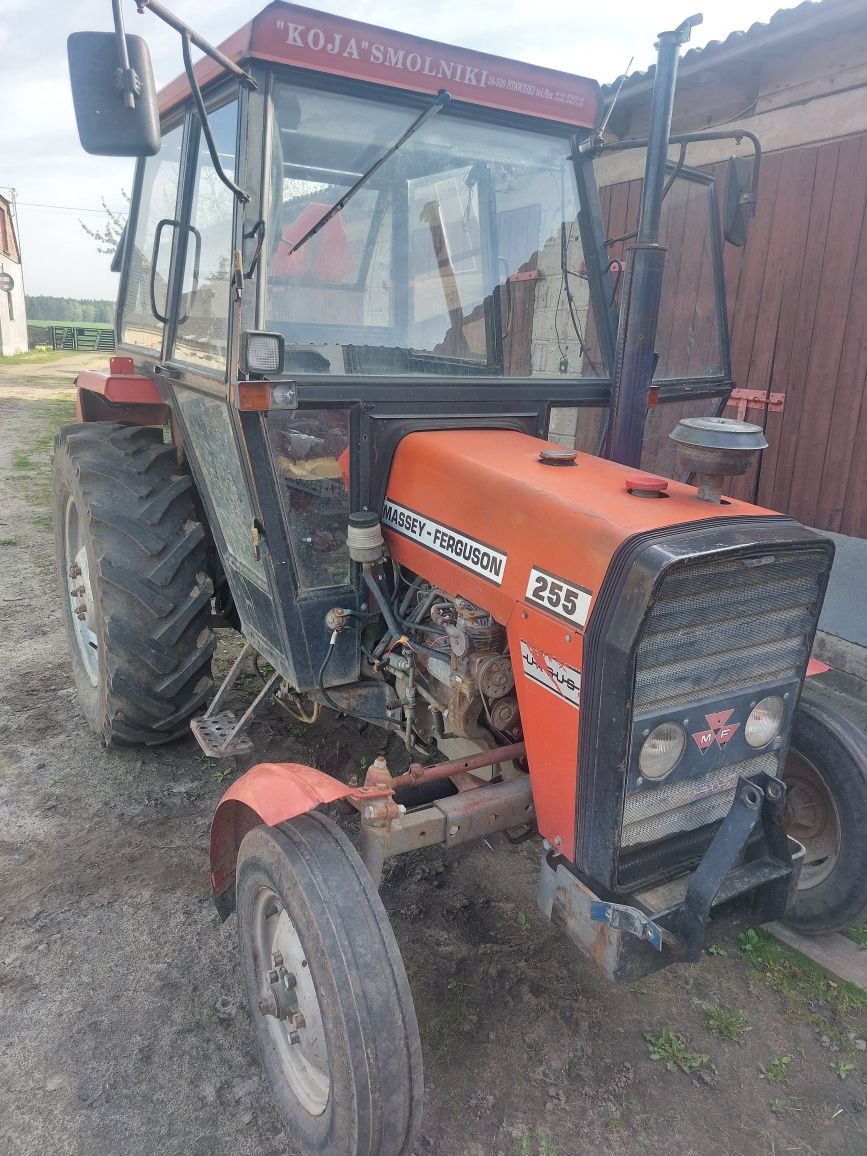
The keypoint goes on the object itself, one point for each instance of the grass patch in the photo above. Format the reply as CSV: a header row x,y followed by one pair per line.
x,y
540,1147
38,356
31,462
858,934
671,1048
9,541
727,1022
442,1030
796,978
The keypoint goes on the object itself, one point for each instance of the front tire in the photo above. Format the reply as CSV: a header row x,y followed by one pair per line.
x,y
131,562
347,1077
826,810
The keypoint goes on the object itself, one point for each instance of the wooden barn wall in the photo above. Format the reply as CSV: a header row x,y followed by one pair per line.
x,y
797,308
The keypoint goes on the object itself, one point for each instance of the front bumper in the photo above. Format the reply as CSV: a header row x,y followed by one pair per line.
x,y
748,875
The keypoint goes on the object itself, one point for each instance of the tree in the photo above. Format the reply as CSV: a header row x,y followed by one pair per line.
x,y
108,237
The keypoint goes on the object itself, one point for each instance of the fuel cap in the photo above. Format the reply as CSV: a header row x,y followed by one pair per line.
x,y
557,456
646,486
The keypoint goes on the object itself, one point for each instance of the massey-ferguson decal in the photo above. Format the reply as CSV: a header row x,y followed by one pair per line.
x,y
322,41
467,552
719,730
554,675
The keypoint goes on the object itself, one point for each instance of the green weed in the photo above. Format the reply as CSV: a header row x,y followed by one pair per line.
x,y
522,921
858,934
9,541
776,1070
727,1022
844,1068
715,949
671,1047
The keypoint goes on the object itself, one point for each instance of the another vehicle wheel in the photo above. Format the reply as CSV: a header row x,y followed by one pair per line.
x,y
826,810
332,1012
131,560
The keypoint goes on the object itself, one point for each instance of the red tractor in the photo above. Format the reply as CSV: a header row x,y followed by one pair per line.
x,y
384,403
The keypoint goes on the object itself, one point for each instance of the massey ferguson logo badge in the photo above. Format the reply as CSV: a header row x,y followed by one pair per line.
x,y
719,730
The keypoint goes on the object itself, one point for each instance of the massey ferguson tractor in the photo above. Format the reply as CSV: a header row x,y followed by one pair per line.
x,y
386,403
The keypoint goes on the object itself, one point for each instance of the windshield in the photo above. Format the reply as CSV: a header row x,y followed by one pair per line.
x,y
461,255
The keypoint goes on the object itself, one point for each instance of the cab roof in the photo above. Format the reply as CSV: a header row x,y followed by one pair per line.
x,y
319,41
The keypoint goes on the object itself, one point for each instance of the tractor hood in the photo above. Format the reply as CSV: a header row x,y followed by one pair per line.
x,y
479,514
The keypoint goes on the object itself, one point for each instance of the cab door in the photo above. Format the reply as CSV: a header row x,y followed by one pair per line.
x,y
195,368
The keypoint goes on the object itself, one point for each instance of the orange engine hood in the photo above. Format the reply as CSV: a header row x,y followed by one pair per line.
x,y
450,491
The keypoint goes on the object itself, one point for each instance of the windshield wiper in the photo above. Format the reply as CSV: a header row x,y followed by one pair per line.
x,y
442,99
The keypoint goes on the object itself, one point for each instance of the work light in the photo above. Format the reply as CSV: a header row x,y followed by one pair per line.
x,y
262,353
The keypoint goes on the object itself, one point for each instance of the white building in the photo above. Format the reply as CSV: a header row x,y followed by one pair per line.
x,y
13,315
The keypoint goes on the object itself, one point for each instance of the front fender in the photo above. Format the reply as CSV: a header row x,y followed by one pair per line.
x,y
269,793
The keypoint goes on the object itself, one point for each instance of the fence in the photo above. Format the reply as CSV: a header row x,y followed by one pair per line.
x,y
86,338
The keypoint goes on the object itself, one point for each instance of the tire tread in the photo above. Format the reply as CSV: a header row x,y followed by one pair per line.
x,y
138,507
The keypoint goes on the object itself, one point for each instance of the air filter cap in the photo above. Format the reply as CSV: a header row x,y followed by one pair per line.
x,y
719,433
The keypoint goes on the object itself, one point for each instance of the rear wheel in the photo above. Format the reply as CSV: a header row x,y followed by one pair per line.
x,y
826,810
332,1011
131,561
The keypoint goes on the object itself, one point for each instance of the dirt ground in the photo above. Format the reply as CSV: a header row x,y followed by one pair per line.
x,y
120,1017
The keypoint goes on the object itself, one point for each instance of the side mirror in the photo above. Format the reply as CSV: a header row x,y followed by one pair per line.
x,y
739,200
106,126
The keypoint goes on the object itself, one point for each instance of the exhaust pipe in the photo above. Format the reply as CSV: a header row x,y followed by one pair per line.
x,y
639,313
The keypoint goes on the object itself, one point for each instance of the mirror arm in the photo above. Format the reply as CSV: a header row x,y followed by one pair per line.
x,y
749,199
242,196
126,78
215,54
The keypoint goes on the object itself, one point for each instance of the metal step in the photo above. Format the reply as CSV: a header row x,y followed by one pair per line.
x,y
219,737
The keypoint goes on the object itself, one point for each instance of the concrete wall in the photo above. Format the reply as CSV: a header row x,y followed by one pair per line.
x,y
13,316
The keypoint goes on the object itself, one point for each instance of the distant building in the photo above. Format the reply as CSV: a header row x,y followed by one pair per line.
x,y
13,316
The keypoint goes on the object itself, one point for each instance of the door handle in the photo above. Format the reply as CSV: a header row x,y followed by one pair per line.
x,y
158,234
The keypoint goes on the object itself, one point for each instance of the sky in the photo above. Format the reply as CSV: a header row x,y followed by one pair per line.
x,y
57,184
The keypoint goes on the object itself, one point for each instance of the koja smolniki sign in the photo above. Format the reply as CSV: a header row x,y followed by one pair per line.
x,y
329,43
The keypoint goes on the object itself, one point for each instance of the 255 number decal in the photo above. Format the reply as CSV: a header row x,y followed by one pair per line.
x,y
562,598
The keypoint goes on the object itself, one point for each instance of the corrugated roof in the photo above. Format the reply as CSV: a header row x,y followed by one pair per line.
x,y
784,22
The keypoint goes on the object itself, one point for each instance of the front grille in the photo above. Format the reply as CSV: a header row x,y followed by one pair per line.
x,y
719,626
658,812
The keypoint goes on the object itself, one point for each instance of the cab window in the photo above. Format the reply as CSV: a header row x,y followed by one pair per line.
x,y
461,255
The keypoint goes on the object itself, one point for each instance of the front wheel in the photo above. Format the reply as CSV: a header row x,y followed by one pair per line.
x,y
826,810
332,1012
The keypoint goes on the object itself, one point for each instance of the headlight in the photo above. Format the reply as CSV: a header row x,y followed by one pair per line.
x,y
661,750
765,721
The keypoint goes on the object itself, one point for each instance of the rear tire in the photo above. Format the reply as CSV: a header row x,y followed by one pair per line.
x,y
351,1083
826,809
131,560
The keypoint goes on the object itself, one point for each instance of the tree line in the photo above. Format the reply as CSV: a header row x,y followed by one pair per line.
x,y
71,309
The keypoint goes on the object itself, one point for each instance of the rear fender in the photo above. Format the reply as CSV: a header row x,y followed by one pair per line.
x,y
119,395
269,793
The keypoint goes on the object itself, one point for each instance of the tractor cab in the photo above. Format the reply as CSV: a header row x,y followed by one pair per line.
x,y
379,235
